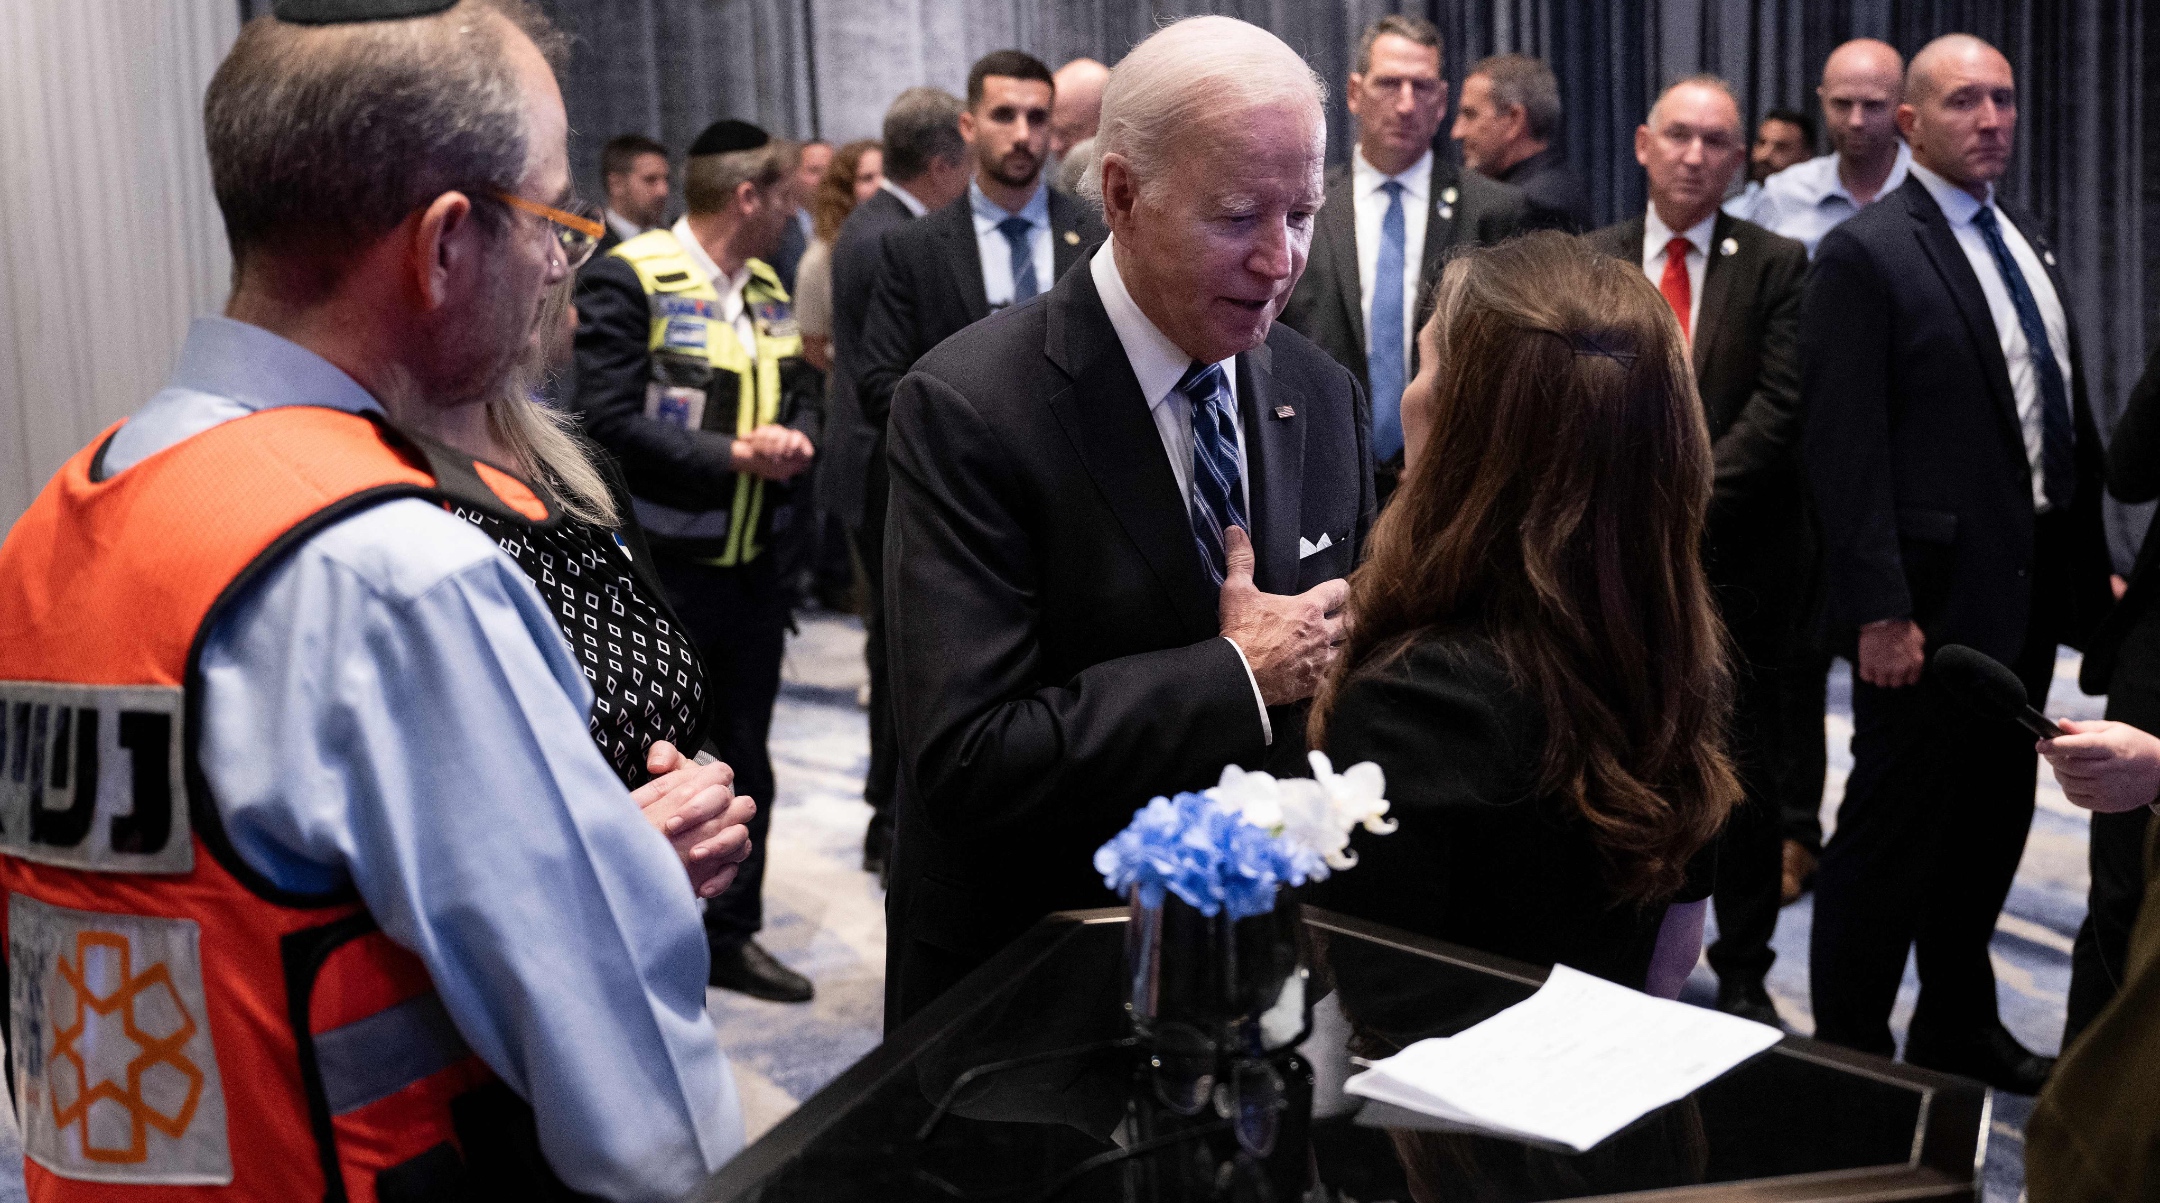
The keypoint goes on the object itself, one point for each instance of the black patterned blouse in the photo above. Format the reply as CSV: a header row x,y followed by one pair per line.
x,y
647,681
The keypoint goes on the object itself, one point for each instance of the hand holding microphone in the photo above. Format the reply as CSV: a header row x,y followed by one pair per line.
x,y
2102,766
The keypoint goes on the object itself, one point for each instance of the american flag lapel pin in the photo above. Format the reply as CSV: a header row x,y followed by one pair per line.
x,y
1285,411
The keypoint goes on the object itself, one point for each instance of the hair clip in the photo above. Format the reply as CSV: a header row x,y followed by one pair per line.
x,y
1586,345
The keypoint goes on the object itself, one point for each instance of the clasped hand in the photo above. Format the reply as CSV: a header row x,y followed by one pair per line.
x,y
773,452
1289,642
696,807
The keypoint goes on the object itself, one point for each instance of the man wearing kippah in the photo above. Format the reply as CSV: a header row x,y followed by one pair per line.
x,y
690,372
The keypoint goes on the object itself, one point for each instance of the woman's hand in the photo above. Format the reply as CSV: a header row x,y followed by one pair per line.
x,y
695,806
2104,766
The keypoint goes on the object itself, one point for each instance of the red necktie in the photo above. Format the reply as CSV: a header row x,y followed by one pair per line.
x,y
1675,283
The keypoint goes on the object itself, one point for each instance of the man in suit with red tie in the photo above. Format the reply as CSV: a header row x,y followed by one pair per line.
x,y
1958,474
1734,287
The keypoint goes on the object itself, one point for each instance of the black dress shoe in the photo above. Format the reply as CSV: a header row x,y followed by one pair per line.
x,y
1995,1057
1748,1000
748,969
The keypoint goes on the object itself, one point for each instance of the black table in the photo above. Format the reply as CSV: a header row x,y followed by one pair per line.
x,y
1803,1121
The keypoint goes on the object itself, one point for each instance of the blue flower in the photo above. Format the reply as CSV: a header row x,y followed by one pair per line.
x,y
1200,849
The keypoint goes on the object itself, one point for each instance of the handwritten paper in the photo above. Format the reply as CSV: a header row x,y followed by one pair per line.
x,y
1570,1065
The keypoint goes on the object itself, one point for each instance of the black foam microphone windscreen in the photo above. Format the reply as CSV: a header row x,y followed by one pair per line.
x,y
1984,682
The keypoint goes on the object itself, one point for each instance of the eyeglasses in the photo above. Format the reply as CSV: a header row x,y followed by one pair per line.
x,y
577,229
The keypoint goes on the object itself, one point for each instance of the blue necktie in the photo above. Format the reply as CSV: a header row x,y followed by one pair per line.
x,y
2058,438
1384,360
1015,230
1217,499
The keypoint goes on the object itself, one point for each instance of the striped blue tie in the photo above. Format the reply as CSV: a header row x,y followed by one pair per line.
x,y
2058,438
1218,500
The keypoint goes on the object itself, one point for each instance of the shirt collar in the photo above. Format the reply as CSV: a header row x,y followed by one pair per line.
x,y
1656,234
1156,361
906,198
1824,183
988,213
624,228
260,370
1957,205
1415,179
725,285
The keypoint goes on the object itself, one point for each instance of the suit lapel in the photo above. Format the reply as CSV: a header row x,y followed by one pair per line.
x,y
1942,249
1338,226
1104,415
1274,470
964,259
1719,269
1440,230
1067,239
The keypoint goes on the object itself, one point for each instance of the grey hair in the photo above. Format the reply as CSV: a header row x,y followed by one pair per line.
x,y
323,138
1184,71
922,127
542,443
1704,79
1520,81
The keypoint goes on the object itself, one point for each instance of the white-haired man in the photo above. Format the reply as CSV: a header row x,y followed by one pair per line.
x,y
1119,513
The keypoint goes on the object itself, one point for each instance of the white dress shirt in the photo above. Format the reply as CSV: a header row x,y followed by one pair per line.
x,y
1808,200
730,306
1656,234
1372,203
1158,364
1959,207
997,253
907,198
624,228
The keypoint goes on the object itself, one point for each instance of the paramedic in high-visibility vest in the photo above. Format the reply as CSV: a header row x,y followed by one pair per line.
x,y
316,883
690,371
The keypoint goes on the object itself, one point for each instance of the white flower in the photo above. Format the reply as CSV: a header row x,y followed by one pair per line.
x,y
1256,797
1357,794
1309,818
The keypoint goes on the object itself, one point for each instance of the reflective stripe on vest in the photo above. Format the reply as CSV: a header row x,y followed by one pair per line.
x,y
179,1025
679,294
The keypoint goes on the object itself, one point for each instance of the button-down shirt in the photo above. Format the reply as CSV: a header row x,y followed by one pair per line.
x,y
1656,234
730,307
1158,364
1808,200
1365,189
907,198
996,252
1744,203
393,707
1959,207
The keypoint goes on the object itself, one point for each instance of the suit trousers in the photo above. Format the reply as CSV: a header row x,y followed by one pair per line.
x,y
738,618
2117,849
1934,821
1750,855
880,778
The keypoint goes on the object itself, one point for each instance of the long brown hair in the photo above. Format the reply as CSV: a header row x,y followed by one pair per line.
x,y
1556,508
835,197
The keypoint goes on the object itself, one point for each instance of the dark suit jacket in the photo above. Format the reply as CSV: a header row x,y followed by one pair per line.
x,y
1558,200
609,240
930,287
1913,446
849,439
1055,655
1747,368
2133,476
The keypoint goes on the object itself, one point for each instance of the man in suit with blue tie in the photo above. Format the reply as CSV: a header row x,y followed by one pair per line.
x,y
1120,513
1958,475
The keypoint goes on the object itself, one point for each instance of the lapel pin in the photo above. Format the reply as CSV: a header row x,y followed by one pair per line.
x,y
1448,195
2049,256
1072,238
1730,246
1447,212
1285,411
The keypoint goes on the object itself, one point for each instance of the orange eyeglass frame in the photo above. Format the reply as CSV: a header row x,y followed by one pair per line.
x,y
583,225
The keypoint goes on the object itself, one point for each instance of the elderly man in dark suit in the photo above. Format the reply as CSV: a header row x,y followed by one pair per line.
x,y
1392,214
1735,289
1010,237
926,167
1958,475
1120,513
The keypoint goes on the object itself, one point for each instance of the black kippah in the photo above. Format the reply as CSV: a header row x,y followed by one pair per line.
x,y
340,12
729,135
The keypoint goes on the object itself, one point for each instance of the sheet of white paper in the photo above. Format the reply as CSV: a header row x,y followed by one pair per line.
x,y
1572,1064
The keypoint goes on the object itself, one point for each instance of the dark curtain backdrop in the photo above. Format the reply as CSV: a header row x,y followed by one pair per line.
x,y
828,68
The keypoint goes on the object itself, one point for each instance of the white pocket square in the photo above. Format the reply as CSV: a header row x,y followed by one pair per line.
x,y
1306,547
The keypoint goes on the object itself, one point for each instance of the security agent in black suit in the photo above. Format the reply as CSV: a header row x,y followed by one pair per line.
x,y
1073,627
1957,473
926,167
1507,125
1735,288
2123,662
1410,206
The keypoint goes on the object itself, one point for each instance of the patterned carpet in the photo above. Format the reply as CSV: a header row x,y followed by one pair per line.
x,y
825,916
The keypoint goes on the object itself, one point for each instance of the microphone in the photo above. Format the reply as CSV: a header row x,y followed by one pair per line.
x,y
1988,687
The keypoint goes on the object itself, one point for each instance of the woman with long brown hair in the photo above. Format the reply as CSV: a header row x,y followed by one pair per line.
x,y
1533,656
853,177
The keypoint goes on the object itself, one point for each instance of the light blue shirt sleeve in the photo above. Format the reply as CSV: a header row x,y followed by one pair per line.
x,y
394,706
